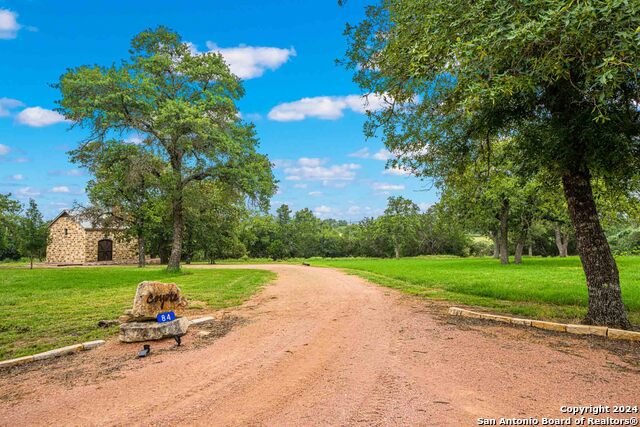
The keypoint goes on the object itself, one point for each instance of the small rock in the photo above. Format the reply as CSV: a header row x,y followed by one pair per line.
x,y
201,320
203,333
107,323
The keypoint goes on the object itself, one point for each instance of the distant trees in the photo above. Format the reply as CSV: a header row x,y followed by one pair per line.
x,y
400,223
34,233
402,230
23,232
9,227
213,214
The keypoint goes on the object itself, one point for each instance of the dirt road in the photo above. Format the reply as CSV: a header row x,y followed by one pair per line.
x,y
323,348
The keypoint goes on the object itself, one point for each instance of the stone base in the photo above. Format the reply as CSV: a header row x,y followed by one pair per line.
x,y
149,331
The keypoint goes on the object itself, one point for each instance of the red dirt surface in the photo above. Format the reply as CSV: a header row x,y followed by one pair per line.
x,y
319,347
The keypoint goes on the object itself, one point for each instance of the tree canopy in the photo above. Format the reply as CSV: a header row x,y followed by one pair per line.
x,y
558,79
182,105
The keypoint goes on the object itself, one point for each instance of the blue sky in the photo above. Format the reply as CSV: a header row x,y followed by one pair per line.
x,y
307,110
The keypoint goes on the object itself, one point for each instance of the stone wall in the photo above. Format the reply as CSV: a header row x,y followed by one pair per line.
x,y
67,241
123,250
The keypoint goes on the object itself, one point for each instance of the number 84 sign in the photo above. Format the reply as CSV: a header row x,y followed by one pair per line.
x,y
167,316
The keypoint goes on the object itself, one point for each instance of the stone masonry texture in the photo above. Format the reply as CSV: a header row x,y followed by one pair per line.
x,y
71,243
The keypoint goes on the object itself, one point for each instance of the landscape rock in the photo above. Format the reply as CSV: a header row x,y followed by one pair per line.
x,y
620,334
549,326
523,322
149,331
58,352
201,320
92,344
587,330
497,318
153,298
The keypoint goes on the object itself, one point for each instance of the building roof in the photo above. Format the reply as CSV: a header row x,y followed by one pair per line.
x,y
87,225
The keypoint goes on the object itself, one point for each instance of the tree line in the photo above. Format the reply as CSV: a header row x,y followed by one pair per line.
x,y
23,231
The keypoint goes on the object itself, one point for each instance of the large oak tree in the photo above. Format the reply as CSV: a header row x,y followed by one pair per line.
x,y
183,105
559,78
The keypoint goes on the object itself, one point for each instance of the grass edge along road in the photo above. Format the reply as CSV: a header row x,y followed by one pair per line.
x,y
42,309
540,288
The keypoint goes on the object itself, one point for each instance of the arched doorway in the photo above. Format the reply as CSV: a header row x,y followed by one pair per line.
x,y
105,250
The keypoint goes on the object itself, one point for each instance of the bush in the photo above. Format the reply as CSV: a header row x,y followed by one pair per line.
x,y
481,246
626,242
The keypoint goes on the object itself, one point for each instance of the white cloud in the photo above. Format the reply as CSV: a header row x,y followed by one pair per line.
x,y
355,210
300,186
27,192
61,189
334,184
325,107
248,62
22,160
315,193
381,186
315,169
363,153
68,172
398,171
4,150
17,177
322,210
382,155
7,104
310,161
134,139
281,163
39,117
9,26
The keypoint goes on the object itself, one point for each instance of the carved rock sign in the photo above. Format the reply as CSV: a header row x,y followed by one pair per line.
x,y
153,298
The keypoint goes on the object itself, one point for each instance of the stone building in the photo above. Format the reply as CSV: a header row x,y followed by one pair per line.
x,y
72,241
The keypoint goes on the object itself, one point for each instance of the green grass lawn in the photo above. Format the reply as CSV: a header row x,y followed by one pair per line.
x,y
543,288
43,309
24,262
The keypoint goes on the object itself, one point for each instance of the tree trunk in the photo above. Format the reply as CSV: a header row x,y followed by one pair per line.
x,y
562,241
504,232
530,250
518,255
565,245
178,227
496,244
603,282
31,258
141,250
396,250
164,256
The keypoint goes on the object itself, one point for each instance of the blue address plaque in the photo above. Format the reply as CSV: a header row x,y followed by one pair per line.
x,y
167,316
